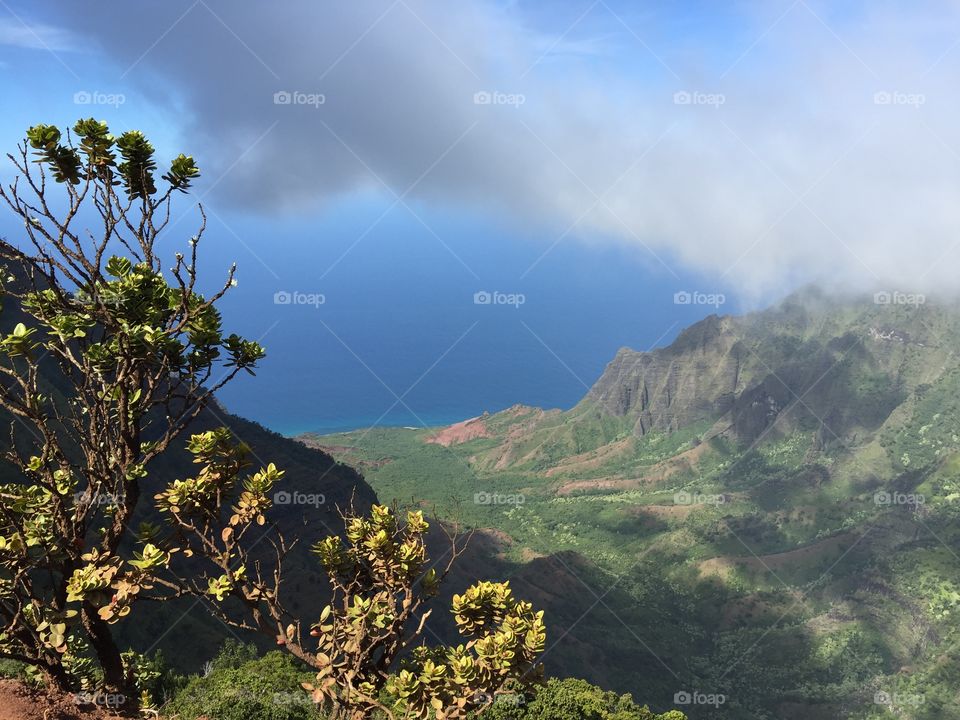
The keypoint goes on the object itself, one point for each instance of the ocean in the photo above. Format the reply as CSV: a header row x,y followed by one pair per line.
x,y
413,326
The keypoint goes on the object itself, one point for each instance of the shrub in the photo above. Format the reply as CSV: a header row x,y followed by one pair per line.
x,y
572,699
268,688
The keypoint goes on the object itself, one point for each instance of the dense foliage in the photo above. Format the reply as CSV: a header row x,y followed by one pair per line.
x,y
239,686
573,700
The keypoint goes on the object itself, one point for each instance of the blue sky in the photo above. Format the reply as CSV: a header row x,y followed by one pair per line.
x,y
397,157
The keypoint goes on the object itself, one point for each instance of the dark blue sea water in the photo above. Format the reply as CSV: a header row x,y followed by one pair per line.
x,y
398,338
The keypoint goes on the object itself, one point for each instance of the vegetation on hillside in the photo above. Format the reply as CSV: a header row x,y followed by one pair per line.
x,y
789,546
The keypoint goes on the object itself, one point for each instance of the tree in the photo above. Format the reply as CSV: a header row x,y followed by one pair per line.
x,y
111,360
365,644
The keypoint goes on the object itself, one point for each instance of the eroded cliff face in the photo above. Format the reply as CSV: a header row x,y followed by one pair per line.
x,y
697,377
832,370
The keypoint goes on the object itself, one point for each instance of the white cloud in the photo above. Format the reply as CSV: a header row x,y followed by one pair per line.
x,y
17,32
830,150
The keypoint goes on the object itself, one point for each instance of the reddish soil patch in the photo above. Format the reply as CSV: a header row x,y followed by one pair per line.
x,y
524,423
461,432
651,476
684,461
593,459
19,702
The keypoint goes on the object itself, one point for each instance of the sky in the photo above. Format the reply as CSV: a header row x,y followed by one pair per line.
x,y
623,167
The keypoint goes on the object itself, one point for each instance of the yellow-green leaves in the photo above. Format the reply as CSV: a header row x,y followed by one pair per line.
x,y
152,558
53,635
92,580
378,576
138,164
183,170
118,266
219,587
96,144
64,162
330,552
20,341
254,501
222,460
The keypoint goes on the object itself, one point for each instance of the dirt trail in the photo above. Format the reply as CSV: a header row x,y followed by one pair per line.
x,y
19,702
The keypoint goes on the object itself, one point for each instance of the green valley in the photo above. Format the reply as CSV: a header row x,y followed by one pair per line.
x,y
763,512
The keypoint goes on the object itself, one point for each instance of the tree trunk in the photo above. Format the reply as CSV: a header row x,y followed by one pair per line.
x,y
114,678
56,677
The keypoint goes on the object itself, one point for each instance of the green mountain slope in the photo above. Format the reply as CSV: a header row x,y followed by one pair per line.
x,y
765,510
